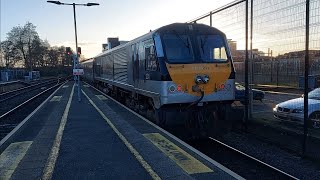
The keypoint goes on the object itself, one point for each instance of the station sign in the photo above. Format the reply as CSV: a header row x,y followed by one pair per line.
x,y
78,72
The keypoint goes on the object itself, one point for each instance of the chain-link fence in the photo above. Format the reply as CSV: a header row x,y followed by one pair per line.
x,y
22,74
268,42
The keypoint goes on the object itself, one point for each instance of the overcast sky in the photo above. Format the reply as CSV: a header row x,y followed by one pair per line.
x,y
113,18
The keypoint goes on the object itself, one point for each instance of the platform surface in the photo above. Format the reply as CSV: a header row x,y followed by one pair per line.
x,y
97,138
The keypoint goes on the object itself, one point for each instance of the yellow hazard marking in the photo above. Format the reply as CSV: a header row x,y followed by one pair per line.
x,y
187,162
51,161
65,86
11,156
55,98
136,154
102,97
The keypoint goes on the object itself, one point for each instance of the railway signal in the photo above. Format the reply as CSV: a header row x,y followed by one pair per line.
x,y
68,51
79,50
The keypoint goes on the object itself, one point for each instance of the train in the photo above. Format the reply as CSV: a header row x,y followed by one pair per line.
x,y
178,72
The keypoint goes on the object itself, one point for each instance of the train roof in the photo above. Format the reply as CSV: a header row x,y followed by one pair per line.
x,y
87,61
185,27
177,27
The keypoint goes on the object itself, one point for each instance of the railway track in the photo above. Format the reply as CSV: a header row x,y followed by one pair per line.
x,y
18,107
11,94
237,161
12,99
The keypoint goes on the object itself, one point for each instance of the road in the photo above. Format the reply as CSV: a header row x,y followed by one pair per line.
x,y
262,112
271,99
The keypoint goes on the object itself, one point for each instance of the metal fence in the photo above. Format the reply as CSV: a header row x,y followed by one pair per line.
x,y
268,41
10,75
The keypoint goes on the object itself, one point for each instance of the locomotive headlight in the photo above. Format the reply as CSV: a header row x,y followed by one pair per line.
x,y
198,79
206,79
172,88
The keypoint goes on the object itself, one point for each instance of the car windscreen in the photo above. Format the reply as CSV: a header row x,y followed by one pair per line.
x,y
212,48
240,87
315,94
178,48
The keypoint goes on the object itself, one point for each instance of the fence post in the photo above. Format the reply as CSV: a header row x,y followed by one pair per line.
x,y
251,61
306,82
210,18
271,70
246,111
278,61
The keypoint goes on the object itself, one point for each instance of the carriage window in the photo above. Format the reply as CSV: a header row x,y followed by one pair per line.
x,y
150,57
151,60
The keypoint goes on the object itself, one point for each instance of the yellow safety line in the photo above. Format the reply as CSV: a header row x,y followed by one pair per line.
x,y
186,161
48,171
136,154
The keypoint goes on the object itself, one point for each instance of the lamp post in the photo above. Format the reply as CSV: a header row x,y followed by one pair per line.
x,y
76,60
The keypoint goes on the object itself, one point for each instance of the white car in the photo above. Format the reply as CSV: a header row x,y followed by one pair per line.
x,y
293,110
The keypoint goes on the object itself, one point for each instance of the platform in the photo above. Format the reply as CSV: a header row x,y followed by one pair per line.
x,y
98,138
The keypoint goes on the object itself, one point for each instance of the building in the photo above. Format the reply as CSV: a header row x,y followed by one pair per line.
x,y
111,43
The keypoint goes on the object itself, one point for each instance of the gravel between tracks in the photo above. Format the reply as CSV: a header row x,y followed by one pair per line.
x,y
283,160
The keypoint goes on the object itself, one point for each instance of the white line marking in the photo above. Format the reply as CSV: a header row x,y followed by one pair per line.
x,y
48,171
220,166
136,154
102,97
55,98
10,158
284,93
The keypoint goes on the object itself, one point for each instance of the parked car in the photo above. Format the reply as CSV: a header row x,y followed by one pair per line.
x,y
293,110
240,93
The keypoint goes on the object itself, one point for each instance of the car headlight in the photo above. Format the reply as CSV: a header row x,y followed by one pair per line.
x,y
297,111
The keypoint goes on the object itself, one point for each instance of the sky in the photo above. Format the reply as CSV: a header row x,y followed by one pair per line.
x,y
112,18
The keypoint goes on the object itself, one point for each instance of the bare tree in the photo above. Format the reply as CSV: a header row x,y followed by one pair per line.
x,y
22,38
10,53
23,43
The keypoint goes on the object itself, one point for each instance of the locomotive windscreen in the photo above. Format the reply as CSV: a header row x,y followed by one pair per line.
x,y
178,48
212,48
209,48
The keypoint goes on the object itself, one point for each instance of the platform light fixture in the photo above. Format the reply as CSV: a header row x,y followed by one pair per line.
x,y
76,60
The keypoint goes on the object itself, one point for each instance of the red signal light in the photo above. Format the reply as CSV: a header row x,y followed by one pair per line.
x,y
222,86
179,88
79,50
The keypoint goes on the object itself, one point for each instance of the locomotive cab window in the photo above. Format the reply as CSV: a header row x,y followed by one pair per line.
x,y
219,53
212,48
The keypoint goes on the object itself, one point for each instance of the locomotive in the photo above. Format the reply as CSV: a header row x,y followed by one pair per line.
x,y
178,72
